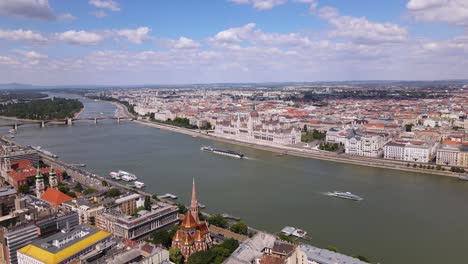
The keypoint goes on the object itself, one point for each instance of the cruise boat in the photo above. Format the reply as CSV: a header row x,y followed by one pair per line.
x,y
463,178
43,151
346,195
139,185
228,153
127,176
12,131
114,175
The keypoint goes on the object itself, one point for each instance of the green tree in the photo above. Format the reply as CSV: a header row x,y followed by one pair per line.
x,y
331,248
202,257
155,197
362,258
230,244
285,238
218,220
89,191
78,187
148,203
240,228
408,127
161,237
71,194
182,208
173,230
104,183
113,192
24,189
176,256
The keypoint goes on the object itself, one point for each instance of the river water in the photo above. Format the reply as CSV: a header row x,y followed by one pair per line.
x,y
404,218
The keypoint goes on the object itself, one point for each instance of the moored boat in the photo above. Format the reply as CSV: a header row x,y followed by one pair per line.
x,y
463,178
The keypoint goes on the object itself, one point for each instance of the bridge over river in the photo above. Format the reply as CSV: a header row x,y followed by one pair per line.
x,y
16,123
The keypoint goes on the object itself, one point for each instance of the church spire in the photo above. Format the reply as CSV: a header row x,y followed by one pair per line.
x,y
194,203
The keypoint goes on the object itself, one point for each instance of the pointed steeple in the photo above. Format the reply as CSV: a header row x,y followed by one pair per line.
x,y
52,177
38,173
194,203
52,172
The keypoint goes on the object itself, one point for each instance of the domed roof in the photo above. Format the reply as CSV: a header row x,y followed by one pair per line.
x,y
178,236
198,236
189,222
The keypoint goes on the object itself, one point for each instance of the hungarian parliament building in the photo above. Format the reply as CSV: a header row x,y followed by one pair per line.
x,y
254,129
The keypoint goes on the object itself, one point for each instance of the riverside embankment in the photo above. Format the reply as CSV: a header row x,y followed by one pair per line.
x,y
306,153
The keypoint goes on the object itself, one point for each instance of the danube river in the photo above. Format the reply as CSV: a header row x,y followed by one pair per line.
x,y
404,218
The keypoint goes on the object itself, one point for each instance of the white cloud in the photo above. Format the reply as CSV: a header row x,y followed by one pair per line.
x,y
186,43
269,4
135,35
8,60
234,35
31,54
360,29
22,35
106,4
450,11
37,9
232,38
80,37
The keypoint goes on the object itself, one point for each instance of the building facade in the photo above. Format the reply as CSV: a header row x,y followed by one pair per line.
x,y
257,130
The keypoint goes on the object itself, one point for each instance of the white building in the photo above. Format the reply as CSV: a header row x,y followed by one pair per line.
x,y
414,151
254,129
365,144
451,154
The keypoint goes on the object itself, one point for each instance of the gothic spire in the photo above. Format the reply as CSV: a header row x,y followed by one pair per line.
x,y
194,203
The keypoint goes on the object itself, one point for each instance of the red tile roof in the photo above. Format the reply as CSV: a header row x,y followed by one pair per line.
x,y
55,197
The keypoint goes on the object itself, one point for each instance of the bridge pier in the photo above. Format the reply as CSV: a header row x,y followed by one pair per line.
x,y
118,120
69,121
15,126
95,120
42,123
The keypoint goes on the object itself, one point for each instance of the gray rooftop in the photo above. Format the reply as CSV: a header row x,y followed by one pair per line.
x,y
323,256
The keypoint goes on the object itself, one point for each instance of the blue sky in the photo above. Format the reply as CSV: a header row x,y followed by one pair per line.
x,y
56,42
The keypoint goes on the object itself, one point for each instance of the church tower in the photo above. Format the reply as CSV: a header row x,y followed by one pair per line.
x,y
40,186
194,203
52,178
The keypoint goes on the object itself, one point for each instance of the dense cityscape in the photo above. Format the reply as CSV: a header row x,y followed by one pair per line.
x,y
233,132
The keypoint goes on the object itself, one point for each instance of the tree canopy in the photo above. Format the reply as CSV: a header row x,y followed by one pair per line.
x,y
45,109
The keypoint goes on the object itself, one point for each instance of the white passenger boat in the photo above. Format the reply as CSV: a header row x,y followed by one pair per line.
x,y
114,175
139,185
346,195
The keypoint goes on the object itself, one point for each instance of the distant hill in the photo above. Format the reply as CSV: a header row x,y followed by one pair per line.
x,y
17,86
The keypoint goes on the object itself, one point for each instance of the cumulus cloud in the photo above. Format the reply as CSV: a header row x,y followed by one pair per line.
x,y
105,4
186,43
22,35
361,30
31,54
80,37
269,4
233,38
6,60
37,9
137,35
450,11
